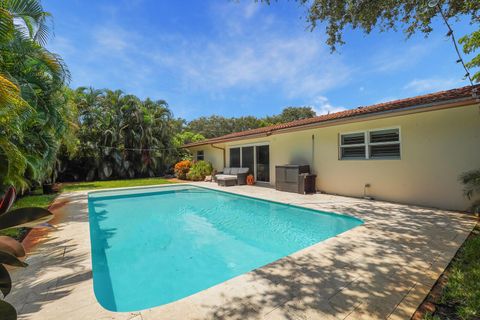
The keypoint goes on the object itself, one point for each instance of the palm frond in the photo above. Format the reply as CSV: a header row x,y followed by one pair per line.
x,y
34,18
14,168
9,93
6,25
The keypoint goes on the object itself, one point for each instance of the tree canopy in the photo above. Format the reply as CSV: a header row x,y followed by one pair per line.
x,y
120,136
215,126
291,114
35,113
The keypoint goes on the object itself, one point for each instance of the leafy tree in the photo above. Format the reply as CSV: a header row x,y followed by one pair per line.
x,y
120,136
471,43
183,138
34,108
212,126
215,126
25,16
186,137
291,114
410,16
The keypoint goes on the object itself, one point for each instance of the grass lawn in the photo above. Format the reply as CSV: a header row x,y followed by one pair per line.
x,y
37,199
78,186
460,298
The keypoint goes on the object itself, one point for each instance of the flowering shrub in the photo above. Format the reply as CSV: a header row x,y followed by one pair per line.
x,y
182,168
199,170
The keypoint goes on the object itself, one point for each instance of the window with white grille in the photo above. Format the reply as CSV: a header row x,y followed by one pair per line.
x,y
374,144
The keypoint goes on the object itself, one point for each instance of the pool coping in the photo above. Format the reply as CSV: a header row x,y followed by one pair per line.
x,y
119,193
257,294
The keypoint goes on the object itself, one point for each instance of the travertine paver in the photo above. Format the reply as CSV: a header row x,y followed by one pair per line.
x,y
381,269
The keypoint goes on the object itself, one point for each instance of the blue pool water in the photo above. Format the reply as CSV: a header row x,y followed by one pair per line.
x,y
152,246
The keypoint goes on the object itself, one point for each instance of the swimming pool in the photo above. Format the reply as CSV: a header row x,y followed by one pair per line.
x,y
152,246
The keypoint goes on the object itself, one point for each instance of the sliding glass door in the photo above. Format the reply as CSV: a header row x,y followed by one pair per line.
x,y
235,160
263,163
248,159
255,158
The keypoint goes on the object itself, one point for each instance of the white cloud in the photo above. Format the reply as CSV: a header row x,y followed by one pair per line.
x,y
386,99
321,105
235,18
62,45
391,59
112,38
251,9
297,64
263,55
431,84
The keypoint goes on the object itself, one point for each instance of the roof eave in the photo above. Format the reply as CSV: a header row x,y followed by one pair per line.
x,y
451,103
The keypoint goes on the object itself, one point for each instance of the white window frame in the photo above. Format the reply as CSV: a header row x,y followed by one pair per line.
x,y
367,144
364,144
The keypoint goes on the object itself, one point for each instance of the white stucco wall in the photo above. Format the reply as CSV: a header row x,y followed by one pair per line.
x,y
436,147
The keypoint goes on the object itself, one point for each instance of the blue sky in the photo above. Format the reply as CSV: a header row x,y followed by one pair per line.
x,y
236,58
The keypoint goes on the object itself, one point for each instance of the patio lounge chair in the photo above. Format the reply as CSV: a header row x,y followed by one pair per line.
x,y
232,176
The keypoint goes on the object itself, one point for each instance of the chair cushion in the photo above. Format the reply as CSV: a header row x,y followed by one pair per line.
x,y
242,170
226,170
226,177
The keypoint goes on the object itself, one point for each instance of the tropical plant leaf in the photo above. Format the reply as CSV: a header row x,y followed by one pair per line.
x,y
9,92
15,165
7,311
12,246
7,200
11,260
5,281
25,217
6,25
31,13
107,170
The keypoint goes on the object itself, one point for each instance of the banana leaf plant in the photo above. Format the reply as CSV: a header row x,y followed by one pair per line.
x,y
10,249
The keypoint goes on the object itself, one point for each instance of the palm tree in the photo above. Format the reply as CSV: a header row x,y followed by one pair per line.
x,y
32,96
121,136
26,16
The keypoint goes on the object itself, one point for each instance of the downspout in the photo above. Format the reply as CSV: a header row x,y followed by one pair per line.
x,y
224,155
313,153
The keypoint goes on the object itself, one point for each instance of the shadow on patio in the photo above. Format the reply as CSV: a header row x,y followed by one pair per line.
x,y
56,266
365,273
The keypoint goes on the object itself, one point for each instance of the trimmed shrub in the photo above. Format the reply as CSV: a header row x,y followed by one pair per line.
x,y
200,170
182,168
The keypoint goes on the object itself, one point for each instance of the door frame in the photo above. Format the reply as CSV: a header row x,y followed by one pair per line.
x,y
256,144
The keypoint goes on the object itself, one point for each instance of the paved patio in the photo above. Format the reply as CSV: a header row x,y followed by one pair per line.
x,y
382,269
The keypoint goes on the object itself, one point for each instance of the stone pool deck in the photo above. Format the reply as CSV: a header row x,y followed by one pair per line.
x,y
382,269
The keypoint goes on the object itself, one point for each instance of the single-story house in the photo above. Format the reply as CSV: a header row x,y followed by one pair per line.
x,y
409,151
